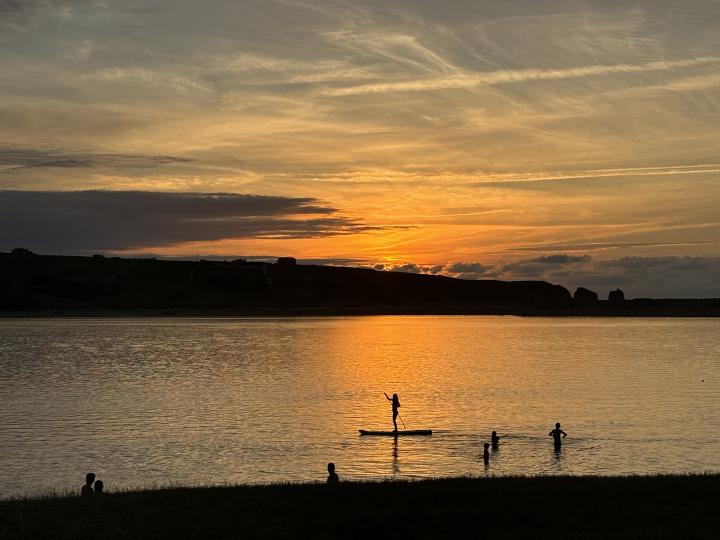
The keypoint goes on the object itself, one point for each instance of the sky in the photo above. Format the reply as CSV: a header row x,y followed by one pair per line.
x,y
573,141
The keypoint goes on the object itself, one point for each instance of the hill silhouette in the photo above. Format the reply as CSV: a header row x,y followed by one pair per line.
x,y
31,283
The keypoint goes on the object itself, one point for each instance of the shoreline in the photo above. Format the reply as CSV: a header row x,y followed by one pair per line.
x,y
667,506
279,312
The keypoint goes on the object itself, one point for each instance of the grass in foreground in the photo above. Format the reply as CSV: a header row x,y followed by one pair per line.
x,y
539,507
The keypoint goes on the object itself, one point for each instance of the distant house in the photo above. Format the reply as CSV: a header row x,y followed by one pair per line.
x,y
286,260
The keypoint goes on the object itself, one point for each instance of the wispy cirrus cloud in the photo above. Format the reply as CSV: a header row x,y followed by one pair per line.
x,y
626,172
466,130
469,80
22,15
602,246
148,77
490,178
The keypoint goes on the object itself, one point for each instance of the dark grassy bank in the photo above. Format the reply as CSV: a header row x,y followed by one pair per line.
x,y
544,507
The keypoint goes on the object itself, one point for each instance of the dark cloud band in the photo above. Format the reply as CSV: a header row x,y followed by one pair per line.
x,y
688,277
34,158
120,220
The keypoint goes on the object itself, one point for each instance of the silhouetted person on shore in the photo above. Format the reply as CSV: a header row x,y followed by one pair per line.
x,y
332,478
87,489
556,433
494,439
99,486
395,404
486,453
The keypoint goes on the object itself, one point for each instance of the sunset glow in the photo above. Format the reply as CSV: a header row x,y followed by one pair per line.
x,y
576,142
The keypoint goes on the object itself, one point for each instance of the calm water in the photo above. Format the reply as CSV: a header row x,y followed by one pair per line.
x,y
160,401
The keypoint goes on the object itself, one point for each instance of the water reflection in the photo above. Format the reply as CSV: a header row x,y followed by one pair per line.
x,y
395,459
255,400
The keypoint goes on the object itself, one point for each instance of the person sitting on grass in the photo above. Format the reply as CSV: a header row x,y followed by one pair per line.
x,y
99,486
332,478
87,489
555,434
486,453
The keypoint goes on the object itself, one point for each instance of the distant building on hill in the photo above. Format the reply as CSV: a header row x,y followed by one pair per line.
x,y
286,260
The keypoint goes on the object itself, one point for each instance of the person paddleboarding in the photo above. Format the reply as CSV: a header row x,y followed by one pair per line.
x,y
395,404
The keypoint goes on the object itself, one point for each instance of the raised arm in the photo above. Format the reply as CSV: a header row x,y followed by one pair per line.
x,y
387,397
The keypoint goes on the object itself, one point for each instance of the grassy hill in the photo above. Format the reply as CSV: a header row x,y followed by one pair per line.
x,y
59,282
65,285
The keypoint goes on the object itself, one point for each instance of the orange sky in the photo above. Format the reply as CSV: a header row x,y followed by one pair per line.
x,y
507,135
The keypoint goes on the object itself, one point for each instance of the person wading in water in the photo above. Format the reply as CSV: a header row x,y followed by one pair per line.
x,y
395,404
555,434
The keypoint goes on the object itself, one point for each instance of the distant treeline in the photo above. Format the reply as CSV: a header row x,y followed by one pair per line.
x,y
34,283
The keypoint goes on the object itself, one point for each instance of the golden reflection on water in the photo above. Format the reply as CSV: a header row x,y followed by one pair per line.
x,y
256,400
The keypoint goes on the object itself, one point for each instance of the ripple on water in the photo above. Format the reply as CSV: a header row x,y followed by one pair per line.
x,y
157,401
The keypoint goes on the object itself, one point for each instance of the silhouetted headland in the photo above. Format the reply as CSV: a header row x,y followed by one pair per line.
x,y
78,286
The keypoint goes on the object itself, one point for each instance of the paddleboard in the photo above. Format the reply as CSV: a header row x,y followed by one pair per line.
x,y
396,433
